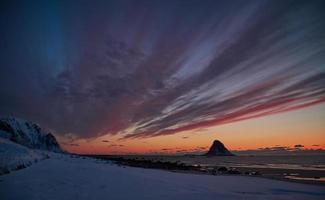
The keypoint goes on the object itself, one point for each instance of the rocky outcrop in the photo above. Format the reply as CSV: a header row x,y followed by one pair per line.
x,y
218,149
28,134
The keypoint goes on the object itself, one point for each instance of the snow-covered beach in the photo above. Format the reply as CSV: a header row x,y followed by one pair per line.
x,y
65,177
33,166
162,100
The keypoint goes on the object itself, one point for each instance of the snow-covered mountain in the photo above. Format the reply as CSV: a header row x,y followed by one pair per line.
x,y
27,134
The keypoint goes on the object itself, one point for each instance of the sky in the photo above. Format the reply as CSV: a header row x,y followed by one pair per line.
x,y
166,76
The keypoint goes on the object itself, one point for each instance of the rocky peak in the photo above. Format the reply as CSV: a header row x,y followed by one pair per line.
x,y
218,149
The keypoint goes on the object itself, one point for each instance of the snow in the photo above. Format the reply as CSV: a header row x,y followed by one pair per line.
x,y
13,156
27,134
65,177
31,131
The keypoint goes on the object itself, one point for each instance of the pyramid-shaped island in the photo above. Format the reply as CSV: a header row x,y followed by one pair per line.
x,y
218,149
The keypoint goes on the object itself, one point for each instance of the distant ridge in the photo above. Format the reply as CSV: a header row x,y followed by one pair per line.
x,y
218,149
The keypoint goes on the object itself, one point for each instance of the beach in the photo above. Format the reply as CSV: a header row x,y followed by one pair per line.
x,y
67,177
308,169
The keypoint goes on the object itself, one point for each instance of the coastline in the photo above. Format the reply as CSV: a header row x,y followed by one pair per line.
x,y
303,176
75,177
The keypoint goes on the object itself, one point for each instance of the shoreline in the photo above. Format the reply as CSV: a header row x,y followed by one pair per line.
x,y
76,177
310,177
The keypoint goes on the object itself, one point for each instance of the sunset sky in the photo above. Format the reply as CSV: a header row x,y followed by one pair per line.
x,y
166,76
305,127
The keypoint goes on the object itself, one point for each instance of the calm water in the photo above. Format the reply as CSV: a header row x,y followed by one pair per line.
x,y
300,168
310,162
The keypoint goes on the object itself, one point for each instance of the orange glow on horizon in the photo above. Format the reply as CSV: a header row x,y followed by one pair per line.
x,y
304,127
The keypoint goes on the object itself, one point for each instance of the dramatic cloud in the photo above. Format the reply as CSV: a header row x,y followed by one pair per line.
x,y
147,68
115,145
76,145
299,146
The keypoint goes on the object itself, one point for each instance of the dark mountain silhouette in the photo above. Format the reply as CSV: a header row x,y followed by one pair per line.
x,y
218,149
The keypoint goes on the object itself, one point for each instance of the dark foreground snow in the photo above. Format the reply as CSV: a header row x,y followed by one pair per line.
x,y
62,177
14,156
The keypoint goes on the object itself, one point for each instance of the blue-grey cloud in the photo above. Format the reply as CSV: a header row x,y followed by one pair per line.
x,y
149,68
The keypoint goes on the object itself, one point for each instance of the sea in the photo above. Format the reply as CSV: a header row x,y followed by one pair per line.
x,y
294,167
